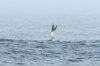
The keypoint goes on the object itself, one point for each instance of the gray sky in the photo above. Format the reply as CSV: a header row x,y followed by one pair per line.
x,y
49,6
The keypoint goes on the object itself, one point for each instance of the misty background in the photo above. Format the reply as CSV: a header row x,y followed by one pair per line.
x,y
27,19
25,27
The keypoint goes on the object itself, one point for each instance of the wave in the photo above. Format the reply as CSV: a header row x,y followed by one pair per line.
x,y
24,52
55,41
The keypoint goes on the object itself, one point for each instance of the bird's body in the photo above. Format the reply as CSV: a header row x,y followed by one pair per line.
x,y
52,33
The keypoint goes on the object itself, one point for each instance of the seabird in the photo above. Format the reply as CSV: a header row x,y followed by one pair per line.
x,y
53,28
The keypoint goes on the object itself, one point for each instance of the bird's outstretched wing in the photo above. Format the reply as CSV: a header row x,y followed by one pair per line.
x,y
52,27
55,27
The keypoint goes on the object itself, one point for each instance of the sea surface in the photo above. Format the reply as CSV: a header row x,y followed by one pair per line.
x,y
24,41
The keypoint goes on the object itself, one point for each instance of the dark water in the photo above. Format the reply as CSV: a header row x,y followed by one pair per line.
x,y
49,53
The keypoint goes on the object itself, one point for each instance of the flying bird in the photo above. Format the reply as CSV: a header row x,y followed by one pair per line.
x,y
53,28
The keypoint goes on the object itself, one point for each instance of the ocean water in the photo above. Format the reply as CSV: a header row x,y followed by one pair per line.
x,y
38,27
24,41
49,53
